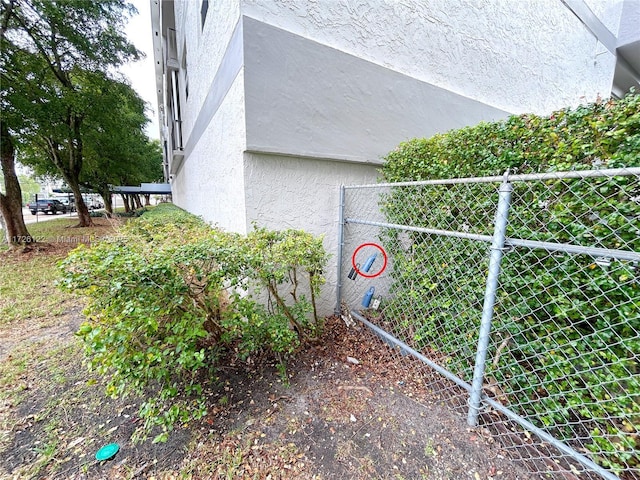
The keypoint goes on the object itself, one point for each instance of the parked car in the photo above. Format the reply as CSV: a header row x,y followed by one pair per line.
x,y
92,202
69,203
48,205
96,204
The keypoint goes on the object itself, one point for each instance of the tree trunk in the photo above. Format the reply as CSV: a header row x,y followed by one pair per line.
x,y
136,199
81,207
75,167
147,199
125,200
107,198
15,229
3,238
70,170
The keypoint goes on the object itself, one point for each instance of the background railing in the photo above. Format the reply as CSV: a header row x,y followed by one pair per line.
x,y
521,291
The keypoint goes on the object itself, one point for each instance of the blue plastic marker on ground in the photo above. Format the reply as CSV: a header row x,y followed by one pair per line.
x,y
107,452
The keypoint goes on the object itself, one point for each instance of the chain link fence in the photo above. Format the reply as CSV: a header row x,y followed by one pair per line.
x,y
520,295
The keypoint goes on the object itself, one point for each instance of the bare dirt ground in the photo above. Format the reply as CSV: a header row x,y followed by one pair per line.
x,y
332,419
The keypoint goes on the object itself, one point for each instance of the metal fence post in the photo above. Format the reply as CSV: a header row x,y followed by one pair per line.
x,y
497,249
338,309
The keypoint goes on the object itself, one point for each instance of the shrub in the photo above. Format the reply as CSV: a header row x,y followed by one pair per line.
x,y
606,134
552,307
169,293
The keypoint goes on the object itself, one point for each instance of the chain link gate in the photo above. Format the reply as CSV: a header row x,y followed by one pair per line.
x,y
520,293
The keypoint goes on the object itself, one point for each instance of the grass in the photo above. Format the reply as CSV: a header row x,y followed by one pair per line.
x,y
62,230
429,449
46,393
47,376
11,372
28,289
30,306
51,229
13,388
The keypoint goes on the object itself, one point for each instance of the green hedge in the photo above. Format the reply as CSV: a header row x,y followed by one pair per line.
x,y
606,134
551,307
169,293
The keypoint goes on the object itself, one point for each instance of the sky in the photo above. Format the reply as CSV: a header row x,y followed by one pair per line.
x,y
141,73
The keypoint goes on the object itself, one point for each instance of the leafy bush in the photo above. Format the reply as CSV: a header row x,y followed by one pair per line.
x,y
572,328
603,134
169,293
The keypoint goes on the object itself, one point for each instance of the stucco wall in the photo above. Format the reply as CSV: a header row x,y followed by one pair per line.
x,y
205,49
608,12
629,31
211,180
287,192
350,79
517,56
304,98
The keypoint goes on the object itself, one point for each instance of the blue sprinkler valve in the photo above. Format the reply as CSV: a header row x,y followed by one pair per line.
x,y
369,263
366,300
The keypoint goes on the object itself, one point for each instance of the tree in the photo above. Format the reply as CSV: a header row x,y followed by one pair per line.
x,y
117,151
145,167
29,187
52,55
11,199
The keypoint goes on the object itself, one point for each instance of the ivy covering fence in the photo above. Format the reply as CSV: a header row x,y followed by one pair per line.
x,y
169,296
564,352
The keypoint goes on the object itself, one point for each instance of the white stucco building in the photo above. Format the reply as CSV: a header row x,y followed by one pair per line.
x,y
267,106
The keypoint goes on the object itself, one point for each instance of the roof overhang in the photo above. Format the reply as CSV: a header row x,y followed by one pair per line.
x,y
143,189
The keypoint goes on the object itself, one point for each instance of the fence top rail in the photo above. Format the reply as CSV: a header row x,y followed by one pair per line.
x,y
605,172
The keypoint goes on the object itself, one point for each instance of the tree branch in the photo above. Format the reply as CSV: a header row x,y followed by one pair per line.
x,y
29,30
6,16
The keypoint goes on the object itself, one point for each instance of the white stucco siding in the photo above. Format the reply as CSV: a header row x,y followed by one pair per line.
x,y
316,101
287,192
608,12
629,31
517,56
205,48
211,180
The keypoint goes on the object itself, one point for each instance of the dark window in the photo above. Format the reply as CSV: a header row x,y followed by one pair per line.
x,y
203,11
185,70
